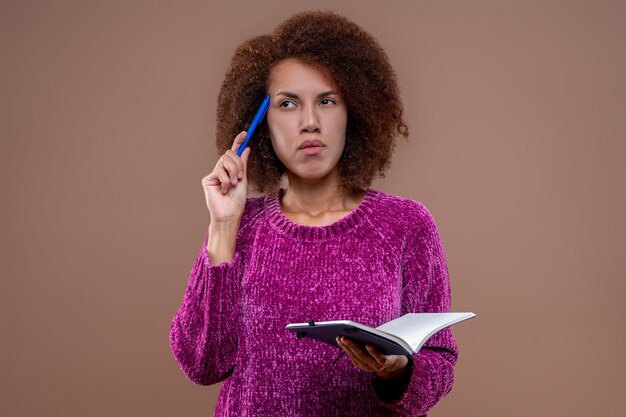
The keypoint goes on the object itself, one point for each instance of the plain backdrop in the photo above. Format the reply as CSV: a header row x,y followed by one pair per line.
x,y
517,144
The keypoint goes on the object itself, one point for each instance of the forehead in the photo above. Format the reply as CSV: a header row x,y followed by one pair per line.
x,y
294,74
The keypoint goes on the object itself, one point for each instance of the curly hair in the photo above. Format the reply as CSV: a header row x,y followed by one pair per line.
x,y
361,71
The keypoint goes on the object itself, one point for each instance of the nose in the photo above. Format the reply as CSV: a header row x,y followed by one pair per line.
x,y
310,120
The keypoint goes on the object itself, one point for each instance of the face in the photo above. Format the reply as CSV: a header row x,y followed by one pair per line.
x,y
307,119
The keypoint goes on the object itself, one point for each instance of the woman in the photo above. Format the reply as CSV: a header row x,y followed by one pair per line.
x,y
326,247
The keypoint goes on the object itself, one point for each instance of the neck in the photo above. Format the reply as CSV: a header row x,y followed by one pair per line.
x,y
318,195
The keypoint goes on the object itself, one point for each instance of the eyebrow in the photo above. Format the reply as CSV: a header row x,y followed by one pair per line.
x,y
294,95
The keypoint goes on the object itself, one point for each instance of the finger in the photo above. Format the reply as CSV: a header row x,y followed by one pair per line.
x,y
359,354
238,161
349,344
231,166
356,348
210,180
239,139
223,177
244,159
377,355
364,356
355,360
343,345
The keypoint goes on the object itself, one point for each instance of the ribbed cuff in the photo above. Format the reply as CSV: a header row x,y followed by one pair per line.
x,y
392,390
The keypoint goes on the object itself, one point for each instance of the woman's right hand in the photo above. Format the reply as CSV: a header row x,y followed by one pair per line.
x,y
226,188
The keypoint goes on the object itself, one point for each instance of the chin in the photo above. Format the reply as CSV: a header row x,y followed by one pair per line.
x,y
311,174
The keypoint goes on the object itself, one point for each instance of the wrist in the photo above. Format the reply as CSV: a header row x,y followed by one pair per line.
x,y
222,241
227,225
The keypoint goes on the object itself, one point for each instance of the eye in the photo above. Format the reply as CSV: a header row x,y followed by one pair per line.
x,y
327,100
283,102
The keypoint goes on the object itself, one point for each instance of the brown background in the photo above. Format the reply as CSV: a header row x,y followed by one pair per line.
x,y
516,115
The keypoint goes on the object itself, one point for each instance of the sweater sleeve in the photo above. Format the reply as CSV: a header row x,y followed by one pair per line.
x,y
426,289
203,333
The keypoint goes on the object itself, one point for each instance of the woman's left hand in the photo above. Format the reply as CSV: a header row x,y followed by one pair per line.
x,y
370,359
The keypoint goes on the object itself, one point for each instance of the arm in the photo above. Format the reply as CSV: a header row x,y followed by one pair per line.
x,y
426,289
203,333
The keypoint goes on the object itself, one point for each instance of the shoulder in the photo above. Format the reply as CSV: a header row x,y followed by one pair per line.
x,y
408,214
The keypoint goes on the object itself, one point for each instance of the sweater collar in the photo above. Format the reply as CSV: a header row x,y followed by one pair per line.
x,y
300,232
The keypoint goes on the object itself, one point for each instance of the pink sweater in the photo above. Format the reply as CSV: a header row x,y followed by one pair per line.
x,y
383,260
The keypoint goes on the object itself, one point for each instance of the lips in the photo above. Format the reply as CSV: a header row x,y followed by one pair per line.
x,y
311,143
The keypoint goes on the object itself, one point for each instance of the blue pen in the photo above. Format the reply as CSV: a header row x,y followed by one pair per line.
x,y
257,119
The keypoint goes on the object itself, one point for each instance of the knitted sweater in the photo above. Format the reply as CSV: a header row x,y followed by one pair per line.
x,y
381,261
